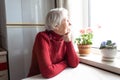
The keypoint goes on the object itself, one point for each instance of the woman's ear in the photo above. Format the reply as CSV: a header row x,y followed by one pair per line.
x,y
56,27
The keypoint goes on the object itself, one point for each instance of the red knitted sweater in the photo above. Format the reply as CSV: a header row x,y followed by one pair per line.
x,y
51,55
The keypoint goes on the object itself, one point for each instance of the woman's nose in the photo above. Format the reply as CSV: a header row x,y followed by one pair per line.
x,y
70,23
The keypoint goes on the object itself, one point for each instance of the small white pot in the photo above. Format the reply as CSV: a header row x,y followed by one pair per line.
x,y
108,54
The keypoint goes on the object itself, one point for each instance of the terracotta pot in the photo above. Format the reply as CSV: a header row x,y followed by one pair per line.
x,y
84,49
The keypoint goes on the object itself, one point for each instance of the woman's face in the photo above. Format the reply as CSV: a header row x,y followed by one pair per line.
x,y
64,28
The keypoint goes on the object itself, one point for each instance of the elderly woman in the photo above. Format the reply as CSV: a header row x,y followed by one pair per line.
x,y
53,50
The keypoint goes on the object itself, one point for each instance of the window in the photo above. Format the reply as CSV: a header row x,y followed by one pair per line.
x,y
106,14
94,14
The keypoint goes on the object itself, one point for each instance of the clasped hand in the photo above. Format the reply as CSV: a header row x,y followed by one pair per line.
x,y
67,36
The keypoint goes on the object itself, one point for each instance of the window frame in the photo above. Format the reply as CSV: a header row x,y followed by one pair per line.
x,y
87,59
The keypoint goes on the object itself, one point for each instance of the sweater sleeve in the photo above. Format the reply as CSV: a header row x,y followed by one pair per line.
x,y
72,57
42,51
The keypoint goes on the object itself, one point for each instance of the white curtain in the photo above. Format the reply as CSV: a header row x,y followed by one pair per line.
x,y
63,3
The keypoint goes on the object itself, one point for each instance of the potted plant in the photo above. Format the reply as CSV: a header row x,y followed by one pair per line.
x,y
108,50
84,41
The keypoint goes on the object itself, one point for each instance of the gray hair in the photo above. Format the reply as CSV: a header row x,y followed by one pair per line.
x,y
55,17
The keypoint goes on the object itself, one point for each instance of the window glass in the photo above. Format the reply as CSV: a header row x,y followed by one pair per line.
x,y
105,14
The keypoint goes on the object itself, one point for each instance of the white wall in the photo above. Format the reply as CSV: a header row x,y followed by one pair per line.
x,y
20,39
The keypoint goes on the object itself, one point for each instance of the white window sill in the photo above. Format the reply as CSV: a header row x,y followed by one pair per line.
x,y
81,72
96,60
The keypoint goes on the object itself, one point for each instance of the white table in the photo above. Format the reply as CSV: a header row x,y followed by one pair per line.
x,y
82,72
